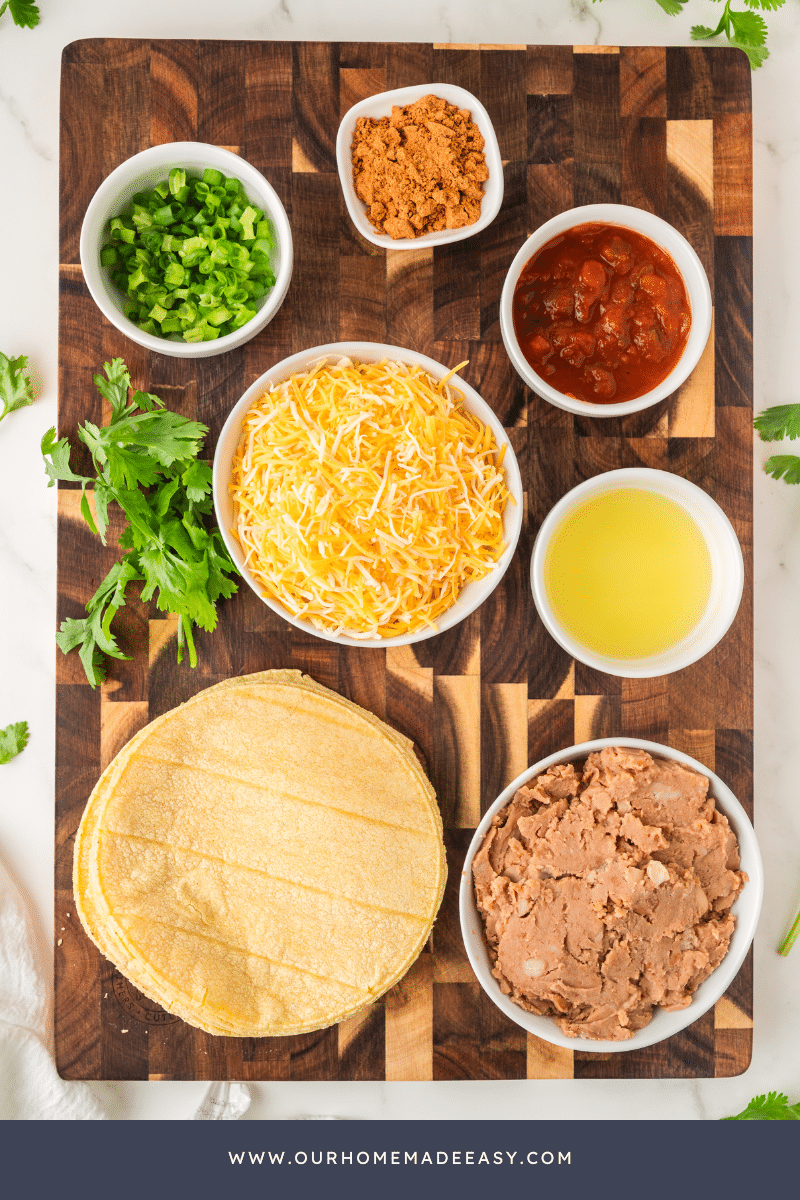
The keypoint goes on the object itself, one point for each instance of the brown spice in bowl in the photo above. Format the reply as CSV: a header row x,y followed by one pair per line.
x,y
421,169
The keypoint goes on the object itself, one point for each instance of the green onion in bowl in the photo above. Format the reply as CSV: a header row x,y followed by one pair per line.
x,y
192,256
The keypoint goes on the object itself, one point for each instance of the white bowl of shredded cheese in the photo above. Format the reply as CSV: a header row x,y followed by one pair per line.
x,y
367,494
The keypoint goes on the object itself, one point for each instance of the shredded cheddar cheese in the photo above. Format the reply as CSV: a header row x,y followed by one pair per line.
x,y
366,497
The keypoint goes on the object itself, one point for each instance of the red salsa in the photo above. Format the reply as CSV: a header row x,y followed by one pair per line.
x,y
601,313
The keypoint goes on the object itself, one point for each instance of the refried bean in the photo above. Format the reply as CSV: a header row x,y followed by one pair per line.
x,y
606,891
421,169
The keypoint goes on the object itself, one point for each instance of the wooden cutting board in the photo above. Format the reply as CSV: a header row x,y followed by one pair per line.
x,y
665,129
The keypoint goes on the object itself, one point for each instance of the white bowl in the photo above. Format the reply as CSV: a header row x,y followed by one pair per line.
x,y
684,257
473,594
381,106
727,571
746,909
144,171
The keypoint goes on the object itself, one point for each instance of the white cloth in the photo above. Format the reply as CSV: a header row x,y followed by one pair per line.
x,y
224,1102
30,1087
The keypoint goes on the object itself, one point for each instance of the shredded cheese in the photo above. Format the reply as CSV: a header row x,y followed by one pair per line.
x,y
366,497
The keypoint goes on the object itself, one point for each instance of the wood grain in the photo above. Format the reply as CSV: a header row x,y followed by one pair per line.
x,y
546,1061
665,129
643,81
598,150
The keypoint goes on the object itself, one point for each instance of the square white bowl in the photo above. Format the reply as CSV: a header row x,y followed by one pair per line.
x,y
381,106
746,908
473,594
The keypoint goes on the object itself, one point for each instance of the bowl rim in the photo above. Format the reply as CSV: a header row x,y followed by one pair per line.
x,y
747,914
189,155
302,360
692,647
668,238
493,188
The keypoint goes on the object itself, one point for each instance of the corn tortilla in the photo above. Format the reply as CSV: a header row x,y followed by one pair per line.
x,y
265,859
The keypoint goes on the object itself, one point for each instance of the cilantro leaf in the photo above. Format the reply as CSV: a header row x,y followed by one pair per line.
x,y
750,28
672,7
197,480
91,635
71,634
780,421
774,1106
784,466
114,388
767,5
756,54
58,453
147,462
699,32
23,12
13,739
16,389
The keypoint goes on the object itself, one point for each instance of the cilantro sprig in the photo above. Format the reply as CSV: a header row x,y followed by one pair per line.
x,y
16,389
745,29
146,461
774,1106
790,938
774,424
23,12
13,739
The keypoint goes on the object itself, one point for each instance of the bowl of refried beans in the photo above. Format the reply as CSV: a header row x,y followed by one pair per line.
x,y
610,894
419,166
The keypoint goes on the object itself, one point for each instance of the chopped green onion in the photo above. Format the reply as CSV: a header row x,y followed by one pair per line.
x,y
247,218
219,316
191,256
174,275
136,279
141,217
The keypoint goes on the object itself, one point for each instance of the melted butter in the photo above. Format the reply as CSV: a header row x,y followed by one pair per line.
x,y
628,573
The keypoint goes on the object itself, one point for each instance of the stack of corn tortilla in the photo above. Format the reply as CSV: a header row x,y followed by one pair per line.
x,y
265,859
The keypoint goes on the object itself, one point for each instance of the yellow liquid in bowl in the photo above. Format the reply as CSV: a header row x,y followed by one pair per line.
x,y
628,573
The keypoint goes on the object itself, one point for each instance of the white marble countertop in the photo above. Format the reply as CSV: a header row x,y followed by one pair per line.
x,y
29,91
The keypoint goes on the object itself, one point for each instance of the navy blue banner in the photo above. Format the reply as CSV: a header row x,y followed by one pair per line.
x,y
589,1160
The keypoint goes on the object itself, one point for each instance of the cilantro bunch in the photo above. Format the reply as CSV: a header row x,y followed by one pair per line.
x,y
147,462
746,29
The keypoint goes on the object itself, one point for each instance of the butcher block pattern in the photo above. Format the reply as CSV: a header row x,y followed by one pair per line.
x,y
668,130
